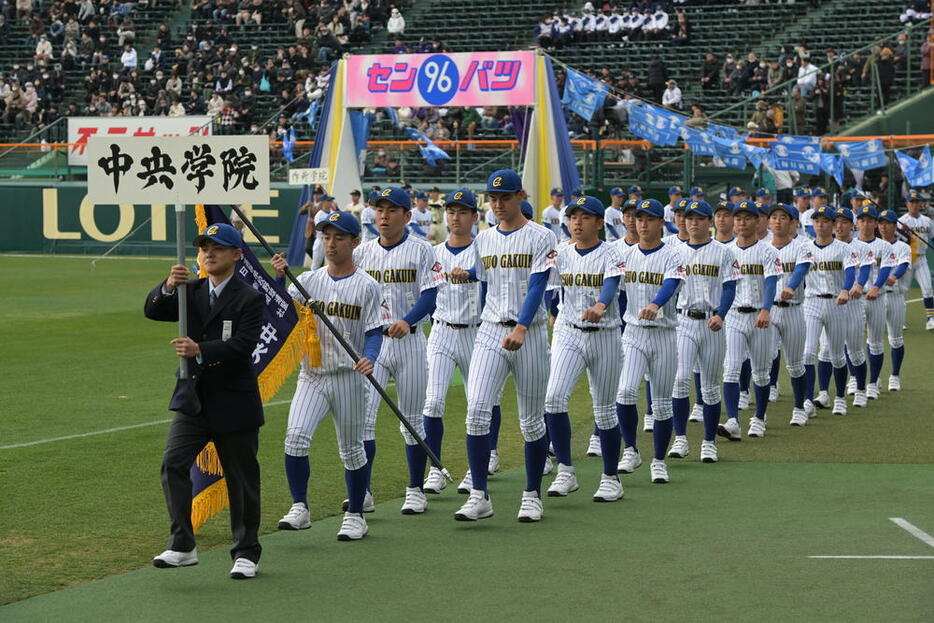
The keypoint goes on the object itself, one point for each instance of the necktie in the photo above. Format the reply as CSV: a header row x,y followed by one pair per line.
x,y
212,299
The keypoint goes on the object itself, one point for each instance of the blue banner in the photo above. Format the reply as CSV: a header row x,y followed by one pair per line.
x,y
864,155
756,155
832,164
731,152
918,172
654,124
723,131
700,142
583,94
430,152
793,155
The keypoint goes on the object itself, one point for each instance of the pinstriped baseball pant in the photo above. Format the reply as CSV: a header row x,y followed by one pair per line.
x,y
653,351
699,347
789,328
404,360
744,340
895,318
824,315
853,315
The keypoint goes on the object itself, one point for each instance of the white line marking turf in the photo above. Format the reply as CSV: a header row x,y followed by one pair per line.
x,y
876,557
913,530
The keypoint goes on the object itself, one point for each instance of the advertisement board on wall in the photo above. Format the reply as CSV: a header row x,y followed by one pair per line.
x,y
80,129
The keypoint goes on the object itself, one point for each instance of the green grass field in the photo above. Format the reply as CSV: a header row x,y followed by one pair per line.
x,y
728,541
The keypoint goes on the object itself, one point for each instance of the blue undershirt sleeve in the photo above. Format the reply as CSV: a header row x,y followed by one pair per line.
x,y
609,290
372,344
482,290
472,273
670,227
551,302
726,298
849,277
864,272
565,229
810,231
423,306
612,231
883,275
768,294
669,286
900,270
533,299
415,229
372,228
800,272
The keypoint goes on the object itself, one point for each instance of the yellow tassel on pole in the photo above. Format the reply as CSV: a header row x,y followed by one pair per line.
x,y
208,503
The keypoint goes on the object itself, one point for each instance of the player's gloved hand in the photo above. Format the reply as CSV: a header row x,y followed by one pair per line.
x,y
178,274
873,293
458,273
843,297
279,264
364,366
399,329
856,291
594,314
786,294
516,338
715,323
186,347
762,319
648,312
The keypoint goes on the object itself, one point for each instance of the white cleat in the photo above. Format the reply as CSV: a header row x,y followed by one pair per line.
x,y
895,384
773,393
680,447
859,399
549,466
564,483
530,509
658,471
368,504
629,462
697,413
839,406
799,417
466,484
243,569
851,386
477,506
822,401
730,429
436,482
708,452
171,558
756,427
353,528
610,489
415,501
809,409
298,518
872,389
648,423
493,467
743,401
594,448
929,325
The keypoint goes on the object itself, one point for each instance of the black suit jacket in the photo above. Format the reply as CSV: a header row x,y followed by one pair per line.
x,y
224,380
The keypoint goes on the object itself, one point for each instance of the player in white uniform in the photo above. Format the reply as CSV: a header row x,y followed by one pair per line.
x,y
675,194
368,219
802,203
828,285
410,276
352,301
613,217
703,302
653,273
326,207
748,332
677,215
895,289
923,228
551,214
421,222
765,197
515,259
586,337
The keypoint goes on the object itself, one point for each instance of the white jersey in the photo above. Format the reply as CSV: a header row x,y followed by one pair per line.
x,y
490,217
797,251
580,278
404,270
902,255
551,218
354,304
613,218
922,226
757,262
866,255
830,261
421,218
804,221
320,215
354,208
707,267
459,302
673,240
643,278
883,256
368,217
506,261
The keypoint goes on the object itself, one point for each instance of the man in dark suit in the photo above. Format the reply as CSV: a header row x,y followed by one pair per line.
x,y
221,400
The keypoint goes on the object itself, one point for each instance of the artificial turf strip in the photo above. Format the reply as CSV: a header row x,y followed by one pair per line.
x,y
720,542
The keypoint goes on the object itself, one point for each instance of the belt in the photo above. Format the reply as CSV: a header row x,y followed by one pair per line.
x,y
458,326
825,296
585,329
412,330
747,310
696,314
507,323
784,304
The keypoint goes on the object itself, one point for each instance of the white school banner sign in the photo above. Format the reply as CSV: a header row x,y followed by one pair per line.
x,y
178,169
81,129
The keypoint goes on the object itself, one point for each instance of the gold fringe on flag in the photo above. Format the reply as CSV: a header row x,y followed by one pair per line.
x,y
208,461
201,223
209,501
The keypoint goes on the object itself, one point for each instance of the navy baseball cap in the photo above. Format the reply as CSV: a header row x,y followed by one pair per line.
x,y
326,198
700,207
462,197
421,195
787,209
590,205
344,221
868,211
888,215
676,190
843,212
527,209
747,206
557,192
736,190
635,190
765,193
697,191
914,195
630,204
680,205
652,207
724,205
396,196
504,181
825,211
223,234
617,192
818,192
802,192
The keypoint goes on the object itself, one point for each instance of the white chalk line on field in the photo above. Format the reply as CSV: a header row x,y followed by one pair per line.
x,y
875,557
905,525
913,530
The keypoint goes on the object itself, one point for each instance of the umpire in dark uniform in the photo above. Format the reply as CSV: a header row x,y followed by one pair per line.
x,y
221,401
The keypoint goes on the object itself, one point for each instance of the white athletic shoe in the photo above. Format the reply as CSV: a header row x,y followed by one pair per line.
x,y
171,558
658,471
610,489
436,482
773,393
730,429
549,466
493,467
530,509
648,423
872,389
630,460
466,484
477,506
353,528
368,504
799,417
895,384
564,483
851,386
756,427
697,413
298,518
708,452
415,501
809,409
839,406
243,569
680,447
859,399
822,401
743,401
594,448
929,325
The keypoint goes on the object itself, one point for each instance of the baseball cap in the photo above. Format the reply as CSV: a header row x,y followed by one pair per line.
x,y
888,215
373,197
344,221
421,195
700,207
630,204
635,190
326,197
843,212
818,192
680,205
747,206
764,193
355,192
787,209
617,192
396,196
697,191
590,205
676,190
503,181
914,195
651,207
802,192
736,190
826,212
724,205
557,192
527,209
222,233
462,197
868,211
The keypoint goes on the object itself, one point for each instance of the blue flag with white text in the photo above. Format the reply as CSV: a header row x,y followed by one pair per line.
x,y
864,155
583,94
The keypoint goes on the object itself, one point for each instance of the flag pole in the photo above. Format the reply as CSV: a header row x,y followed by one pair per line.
x,y
182,287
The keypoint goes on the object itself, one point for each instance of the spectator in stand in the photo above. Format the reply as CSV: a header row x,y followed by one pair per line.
x,y
656,26
885,67
807,78
680,34
916,11
43,49
657,76
799,110
671,98
710,73
789,68
215,104
126,33
396,24
821,100
775,76
854,69
228,119
633,88
760,77
900,49
698,118
924,77
736,82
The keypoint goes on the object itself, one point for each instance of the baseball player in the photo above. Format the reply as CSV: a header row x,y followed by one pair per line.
x,y
515,260
723,222
765,197
675,194
653,272
828,285
735,194
677,214
748,322
551,215
406,268
802,203
895,289
352,300
326,207
586,337
923,228
421,221
368,218
613,216
703,302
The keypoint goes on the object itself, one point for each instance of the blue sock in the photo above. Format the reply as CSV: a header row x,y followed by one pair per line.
x,y
711,420
797,388
478,458
762,400
698,394
297,472
417,459
745,376
629,422
839,379
680,407
596,431
809,381
559,430
496,418
356,488
928,303
731,400
898,354
849,363
434,433
875,367
648,398
661,437
773,373
370,448
860,376
610,441
535,453
824,372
